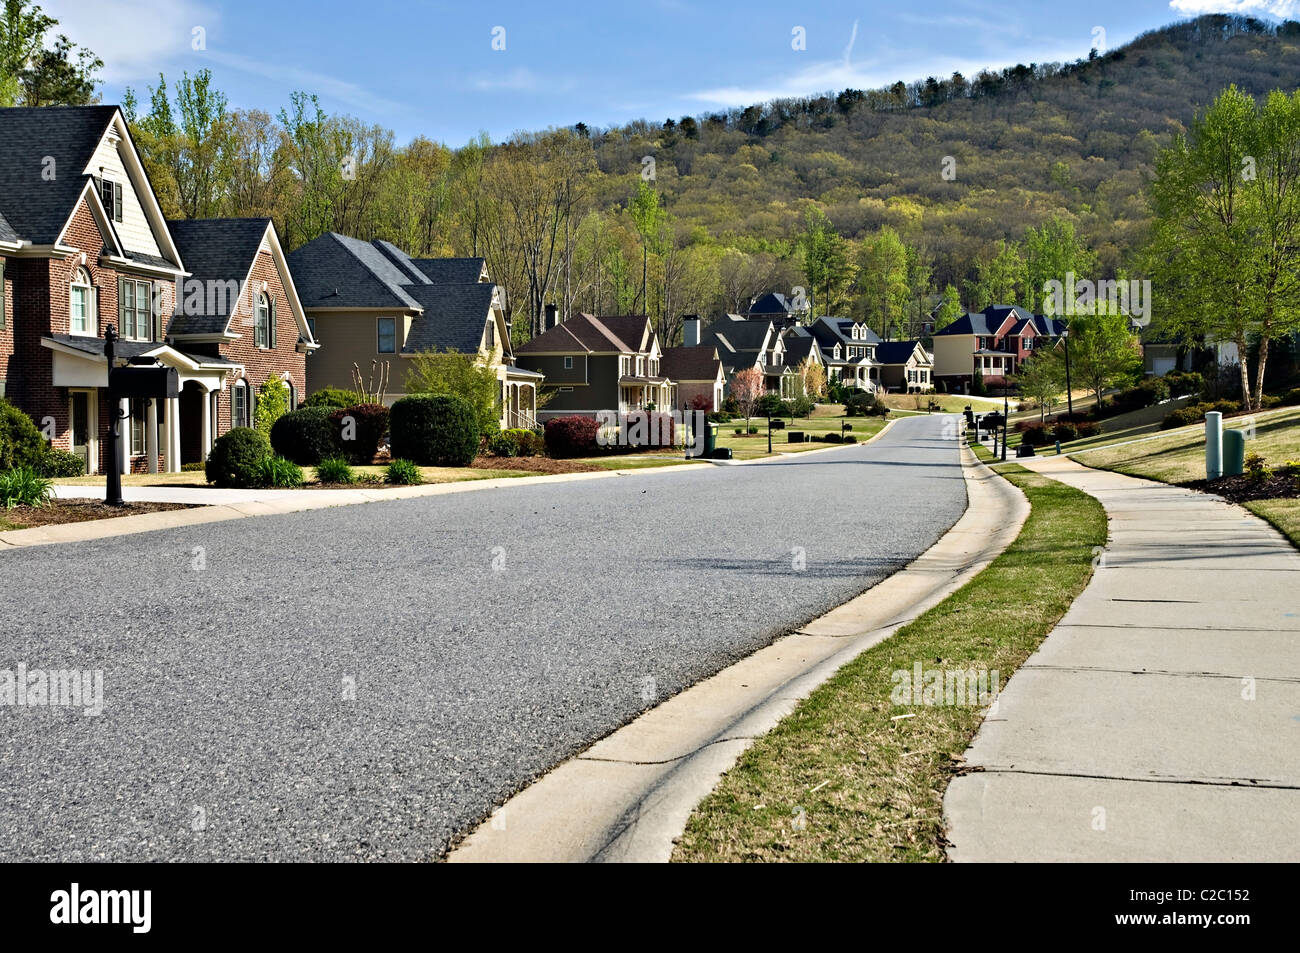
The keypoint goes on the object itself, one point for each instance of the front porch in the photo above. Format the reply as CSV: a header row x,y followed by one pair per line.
x,y
519,399
641,393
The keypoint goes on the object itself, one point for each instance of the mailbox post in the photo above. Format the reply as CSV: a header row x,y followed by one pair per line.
x,y
142,379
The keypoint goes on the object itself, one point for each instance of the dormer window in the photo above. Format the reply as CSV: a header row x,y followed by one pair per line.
x,y
83,316
110,193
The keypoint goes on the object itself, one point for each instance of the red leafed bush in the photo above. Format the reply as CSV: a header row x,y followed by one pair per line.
x,y
572,437
359,441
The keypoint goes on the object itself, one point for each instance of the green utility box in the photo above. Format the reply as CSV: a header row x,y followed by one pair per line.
x,y
1234,452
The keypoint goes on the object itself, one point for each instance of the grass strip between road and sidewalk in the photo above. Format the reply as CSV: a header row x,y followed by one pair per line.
x,y
849,775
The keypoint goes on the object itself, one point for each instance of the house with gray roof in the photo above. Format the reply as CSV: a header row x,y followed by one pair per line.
x,y
600,363
991,343
905,367
848,350
370,303
84,246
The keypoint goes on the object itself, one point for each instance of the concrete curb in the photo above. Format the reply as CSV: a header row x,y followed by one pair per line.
x,y
628,797
197,515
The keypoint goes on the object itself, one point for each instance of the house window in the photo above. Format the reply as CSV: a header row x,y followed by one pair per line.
x,y
262,322
240,412
135,309
568,363
81,305
311,328
387,330
640,367
110,193
139,429
293,396
566,390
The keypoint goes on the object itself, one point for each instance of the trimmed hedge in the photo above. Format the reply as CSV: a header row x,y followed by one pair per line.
x,y
572,437
305,436
333,398
359,429
434,430
60,463
236,458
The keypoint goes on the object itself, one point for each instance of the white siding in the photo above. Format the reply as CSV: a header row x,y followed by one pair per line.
x,y
133,230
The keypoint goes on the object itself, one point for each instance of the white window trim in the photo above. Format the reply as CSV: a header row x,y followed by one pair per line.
x,y
91,312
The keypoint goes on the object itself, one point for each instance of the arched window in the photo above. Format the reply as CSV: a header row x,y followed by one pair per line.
x,y
262,322
81,305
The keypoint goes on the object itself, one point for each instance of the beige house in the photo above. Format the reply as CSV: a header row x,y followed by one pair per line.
x,y
905,367
372,305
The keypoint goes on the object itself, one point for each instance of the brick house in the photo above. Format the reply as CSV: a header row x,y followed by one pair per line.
x,y
993,342
699,377
84,244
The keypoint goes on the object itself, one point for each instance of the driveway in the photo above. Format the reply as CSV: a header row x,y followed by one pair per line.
x,y
367,682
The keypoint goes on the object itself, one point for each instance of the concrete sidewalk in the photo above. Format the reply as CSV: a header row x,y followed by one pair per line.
x,y
1160,720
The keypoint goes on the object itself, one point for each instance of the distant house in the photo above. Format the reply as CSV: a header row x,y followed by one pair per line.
x,y
848,350
993,342
775,307
697,372
593,364
370,301
801,346
905,366
743,342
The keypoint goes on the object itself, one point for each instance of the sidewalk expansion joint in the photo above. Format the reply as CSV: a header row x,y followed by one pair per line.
x,y
682,757
1154,671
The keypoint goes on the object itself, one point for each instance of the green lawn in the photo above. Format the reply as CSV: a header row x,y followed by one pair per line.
x,y
917,403
1179,456
753,446
1282,513
197,478
849,776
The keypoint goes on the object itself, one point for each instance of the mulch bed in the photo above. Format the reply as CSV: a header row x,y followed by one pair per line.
x,y
1242,489
533,465
79,511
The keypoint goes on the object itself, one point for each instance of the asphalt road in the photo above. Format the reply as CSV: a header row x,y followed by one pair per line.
x,y
367,682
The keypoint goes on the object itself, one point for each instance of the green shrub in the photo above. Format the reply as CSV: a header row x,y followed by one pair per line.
x,y
404,473
194,467
831,437
502,445
1065,432
1291,398
863,404
279,473
23,486
60,463
304,436
21,444
358,430
1182,417
236,458
753,430
436,431
463,375
850,438
334,398
740,431
802,407
528,443
1183,383
335,470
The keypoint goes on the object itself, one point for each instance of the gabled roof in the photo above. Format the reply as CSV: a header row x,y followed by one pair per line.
x,y
7,234
700,363
452,271
735,333
215,249
336,271
799,347
828,331
991,319
771,303
586,333
895,352
454,317
34,141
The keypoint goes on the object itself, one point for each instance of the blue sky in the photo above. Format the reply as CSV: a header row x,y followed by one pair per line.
x,y
424,68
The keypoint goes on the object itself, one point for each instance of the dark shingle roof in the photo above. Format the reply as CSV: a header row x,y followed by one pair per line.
x,y
453,319
586,332
7,234
335,271
125,350
894,352
451,271
215,249
988,321
36,207
690,363
798,347
771,303
734,333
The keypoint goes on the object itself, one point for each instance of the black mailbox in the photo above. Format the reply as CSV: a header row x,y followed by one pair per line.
x,y
144,382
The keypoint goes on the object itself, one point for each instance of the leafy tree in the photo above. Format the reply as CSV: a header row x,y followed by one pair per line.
x,y
1002,279
1042,378
32,74
458,375
825,257
949,310
1104,353
882,281
1051,252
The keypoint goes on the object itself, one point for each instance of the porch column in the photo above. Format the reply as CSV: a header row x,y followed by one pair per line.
x,y
151,435
205,438
124,431
171,455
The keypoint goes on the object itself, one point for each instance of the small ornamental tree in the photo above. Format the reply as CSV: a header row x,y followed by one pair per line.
x,y
745,388
272,404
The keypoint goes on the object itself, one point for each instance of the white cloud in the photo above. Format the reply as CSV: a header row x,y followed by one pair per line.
x,y
1282,9
297,78
521,79
136,39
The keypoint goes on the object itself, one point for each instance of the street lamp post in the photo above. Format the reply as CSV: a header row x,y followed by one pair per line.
x,y
1006,408
1069,391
